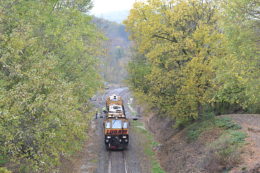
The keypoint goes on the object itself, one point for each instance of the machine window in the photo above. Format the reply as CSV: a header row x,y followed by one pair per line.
x,y
116,124
125,126
107,125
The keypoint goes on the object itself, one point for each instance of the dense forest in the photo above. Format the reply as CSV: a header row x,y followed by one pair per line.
x,y
48,62
113,64
195,58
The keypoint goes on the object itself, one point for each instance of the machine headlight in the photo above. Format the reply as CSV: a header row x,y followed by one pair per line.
x,y
124,137
108,137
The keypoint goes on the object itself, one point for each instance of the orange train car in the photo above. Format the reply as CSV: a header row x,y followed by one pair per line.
x,y
116,132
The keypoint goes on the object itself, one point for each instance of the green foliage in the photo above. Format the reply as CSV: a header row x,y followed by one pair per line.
x,y
178,41
157,168
237,137
3,160
237,74
148,146
113,65
227,148
226,123
4,170
194,130
48,72
139,69
195,56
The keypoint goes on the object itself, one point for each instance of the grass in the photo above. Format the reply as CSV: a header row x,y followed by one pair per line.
x,y
227,148
94,161
3,160
148,146
226,123
194,130
156,168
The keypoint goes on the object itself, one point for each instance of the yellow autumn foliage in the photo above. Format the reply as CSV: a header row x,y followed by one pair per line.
x,y
193,59
179,39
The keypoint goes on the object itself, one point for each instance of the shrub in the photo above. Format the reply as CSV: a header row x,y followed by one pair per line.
x,y
195,129
3,160
4,170
226,123
226,149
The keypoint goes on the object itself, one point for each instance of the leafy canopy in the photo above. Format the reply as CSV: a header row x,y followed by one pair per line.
x,y
199,58
47,74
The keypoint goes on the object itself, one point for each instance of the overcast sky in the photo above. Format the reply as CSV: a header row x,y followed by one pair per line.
x,y
107,6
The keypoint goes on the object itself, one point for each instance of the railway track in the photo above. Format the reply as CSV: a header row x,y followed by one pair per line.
x,y
117,162
117,159
125,161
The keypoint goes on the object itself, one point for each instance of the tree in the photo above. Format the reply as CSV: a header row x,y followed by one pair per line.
x,y
48,72
179,39
238,71
200,58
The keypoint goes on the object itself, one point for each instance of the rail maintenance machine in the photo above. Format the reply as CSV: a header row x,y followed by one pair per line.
x,y
115,124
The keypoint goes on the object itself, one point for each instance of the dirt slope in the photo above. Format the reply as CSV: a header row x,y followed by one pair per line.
x,y
178,155
251,157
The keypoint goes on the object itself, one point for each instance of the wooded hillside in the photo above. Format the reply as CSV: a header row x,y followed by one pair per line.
x,y
113,64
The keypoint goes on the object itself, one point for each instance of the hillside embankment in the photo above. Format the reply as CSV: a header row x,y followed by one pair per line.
x,y
227,143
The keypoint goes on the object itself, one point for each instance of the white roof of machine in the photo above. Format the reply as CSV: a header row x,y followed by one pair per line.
x,y
115,108
114,97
